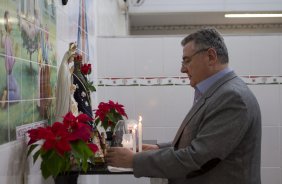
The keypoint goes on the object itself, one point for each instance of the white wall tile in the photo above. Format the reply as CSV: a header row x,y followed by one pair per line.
x,y
270,175
264,51
280,148
177,101
115,57
110,20
270,147
123,95
280,104
148,56
149,104
268,98
160,134
172,56
102,57
280,55
239,54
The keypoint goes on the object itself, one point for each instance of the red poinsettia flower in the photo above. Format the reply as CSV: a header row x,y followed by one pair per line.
x,y
77,127
70,121
83,118
108,114
61,141
118,107
36,134
103,109
58,138
82,131
86,69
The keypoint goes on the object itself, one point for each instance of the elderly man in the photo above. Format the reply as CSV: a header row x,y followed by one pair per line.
x,y
219,140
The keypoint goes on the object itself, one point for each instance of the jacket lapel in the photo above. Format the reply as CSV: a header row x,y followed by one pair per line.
x,y
200,103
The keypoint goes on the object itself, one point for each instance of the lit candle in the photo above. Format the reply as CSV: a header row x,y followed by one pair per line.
x,y
127,141
140,134
134,138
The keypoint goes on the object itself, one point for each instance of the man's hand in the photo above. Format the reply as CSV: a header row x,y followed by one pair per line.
x,y
119,157
146,147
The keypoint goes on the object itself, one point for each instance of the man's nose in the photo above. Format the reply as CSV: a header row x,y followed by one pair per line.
x,y
183,69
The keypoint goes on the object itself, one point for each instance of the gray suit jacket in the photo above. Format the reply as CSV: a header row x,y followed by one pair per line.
x,y
218,142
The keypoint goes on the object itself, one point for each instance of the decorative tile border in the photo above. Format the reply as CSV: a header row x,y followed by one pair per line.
x,y
165,81
193,27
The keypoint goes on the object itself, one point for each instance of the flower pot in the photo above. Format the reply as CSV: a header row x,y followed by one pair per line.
x,y
66,179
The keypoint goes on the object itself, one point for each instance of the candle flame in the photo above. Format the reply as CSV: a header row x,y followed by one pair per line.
x,y
140,118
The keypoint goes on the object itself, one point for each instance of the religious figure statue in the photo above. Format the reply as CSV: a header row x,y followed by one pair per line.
x,y
73,95
65,101
82,93
83,99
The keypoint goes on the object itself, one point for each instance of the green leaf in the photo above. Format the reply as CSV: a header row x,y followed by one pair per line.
x,y
36,155
92,88
80,149
111,116
53,164
97,121
105,123
82,153
84,165
44,170
31,148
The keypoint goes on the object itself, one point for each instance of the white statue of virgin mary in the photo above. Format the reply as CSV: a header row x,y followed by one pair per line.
x,y
65,88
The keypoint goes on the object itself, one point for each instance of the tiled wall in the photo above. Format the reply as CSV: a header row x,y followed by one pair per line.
x,y
143,73
41,33
111,21
28,64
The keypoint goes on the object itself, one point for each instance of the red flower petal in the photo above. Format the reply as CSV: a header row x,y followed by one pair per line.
x,y
83,132
94,148
62,146
83,118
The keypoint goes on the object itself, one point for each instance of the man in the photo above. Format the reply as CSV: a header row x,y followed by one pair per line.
x,y
219,141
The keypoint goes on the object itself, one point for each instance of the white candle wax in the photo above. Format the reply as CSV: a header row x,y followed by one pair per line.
x,y
140,134
134,138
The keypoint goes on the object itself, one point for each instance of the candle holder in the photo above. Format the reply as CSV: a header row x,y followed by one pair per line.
x,y
127,141
124,127
119,130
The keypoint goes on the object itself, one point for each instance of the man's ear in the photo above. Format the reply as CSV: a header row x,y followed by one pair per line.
x,y
212,56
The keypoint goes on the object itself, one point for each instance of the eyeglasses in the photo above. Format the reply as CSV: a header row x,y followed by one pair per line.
x,y
187,60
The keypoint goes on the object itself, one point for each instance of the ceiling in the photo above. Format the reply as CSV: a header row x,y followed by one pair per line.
x,y
183,20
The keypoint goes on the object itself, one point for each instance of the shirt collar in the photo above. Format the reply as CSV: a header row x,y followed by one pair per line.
x,y
205,84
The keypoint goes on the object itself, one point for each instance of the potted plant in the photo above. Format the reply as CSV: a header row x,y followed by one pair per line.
x,y
107,115
62,146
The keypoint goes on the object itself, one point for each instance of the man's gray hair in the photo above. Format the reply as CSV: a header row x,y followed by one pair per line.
x,y
209,38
